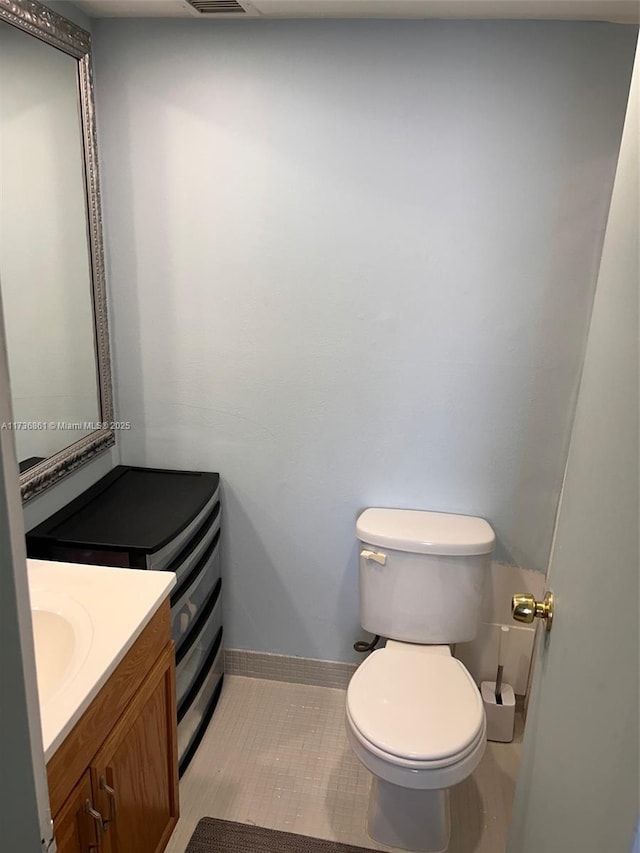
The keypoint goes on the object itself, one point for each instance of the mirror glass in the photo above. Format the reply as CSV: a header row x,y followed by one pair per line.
x,y
52,282
45,262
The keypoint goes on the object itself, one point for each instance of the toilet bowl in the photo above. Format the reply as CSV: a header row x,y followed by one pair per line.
x,y
414,716
415,719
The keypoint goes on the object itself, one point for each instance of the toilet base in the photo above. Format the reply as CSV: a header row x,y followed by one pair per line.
x,y
407,818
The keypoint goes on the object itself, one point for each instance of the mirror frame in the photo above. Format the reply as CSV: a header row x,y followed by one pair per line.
x,y
60,33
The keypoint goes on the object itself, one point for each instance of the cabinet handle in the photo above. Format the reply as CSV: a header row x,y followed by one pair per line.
x,y
110,792
97,819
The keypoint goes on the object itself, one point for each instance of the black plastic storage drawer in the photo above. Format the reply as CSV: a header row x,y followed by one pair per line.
x,y
186,564
199,705
196,648
189,599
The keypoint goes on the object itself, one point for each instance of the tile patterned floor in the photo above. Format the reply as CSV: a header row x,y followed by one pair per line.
x,y
276,755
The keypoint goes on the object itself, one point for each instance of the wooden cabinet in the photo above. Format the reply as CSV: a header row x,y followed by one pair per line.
x,y
132,772
124,748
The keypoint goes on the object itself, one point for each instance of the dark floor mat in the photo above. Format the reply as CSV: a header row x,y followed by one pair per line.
x,y
223,836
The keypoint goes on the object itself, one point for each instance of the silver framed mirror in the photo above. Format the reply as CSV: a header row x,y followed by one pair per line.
x,y
37,278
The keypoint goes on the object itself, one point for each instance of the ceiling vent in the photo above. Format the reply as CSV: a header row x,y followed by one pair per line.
x,y
218,7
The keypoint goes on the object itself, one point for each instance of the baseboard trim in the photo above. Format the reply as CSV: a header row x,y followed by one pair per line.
x,y
295,670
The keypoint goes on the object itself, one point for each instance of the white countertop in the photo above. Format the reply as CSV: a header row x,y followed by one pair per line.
x,y
108,609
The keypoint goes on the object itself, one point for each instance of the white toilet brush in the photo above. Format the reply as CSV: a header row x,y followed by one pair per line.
x,y
498,698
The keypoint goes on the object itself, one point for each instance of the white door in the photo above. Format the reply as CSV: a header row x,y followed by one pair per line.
x,y
578,783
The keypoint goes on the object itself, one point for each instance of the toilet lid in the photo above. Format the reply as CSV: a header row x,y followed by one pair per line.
x,y
418,706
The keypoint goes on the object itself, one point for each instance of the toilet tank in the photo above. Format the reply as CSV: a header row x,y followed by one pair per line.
x,y
422,574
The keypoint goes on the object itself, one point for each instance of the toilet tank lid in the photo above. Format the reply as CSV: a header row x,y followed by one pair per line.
x,y
422,532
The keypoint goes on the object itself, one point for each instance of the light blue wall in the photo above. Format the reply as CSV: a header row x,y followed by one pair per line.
x,y
352,264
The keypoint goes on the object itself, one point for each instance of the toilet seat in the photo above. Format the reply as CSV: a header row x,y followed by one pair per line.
x,y
416,710
409,764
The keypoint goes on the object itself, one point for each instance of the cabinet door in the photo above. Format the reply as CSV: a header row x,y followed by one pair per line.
x,y
77,824
135,774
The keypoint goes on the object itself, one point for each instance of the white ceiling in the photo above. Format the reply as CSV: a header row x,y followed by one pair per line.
x,y
622,11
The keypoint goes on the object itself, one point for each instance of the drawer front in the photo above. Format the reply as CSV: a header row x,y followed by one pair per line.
x,y
160,559
198,645
189,557
197,712
187,603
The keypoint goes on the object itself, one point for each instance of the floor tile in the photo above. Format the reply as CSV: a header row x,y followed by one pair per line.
x,y
276,755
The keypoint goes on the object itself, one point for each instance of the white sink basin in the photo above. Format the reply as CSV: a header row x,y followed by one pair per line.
x,y
85,619
62,634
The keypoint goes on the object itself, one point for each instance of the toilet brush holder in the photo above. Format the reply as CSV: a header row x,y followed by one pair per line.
x,y
500,718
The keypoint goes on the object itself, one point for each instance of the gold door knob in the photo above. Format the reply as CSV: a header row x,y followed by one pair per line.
x,y
524,608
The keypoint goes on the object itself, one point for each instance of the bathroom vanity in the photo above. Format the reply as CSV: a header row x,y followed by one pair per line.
x,y
114,779
106,675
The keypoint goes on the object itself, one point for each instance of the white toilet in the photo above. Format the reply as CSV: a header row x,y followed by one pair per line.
x,y
414,715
